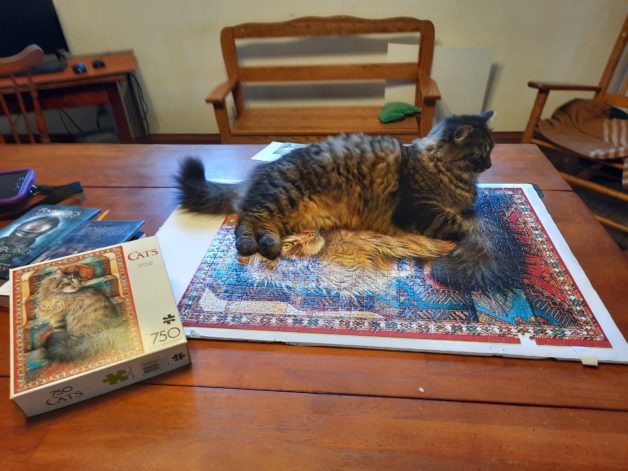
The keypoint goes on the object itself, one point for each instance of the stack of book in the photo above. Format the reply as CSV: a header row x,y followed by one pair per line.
x,y
90,306
49,231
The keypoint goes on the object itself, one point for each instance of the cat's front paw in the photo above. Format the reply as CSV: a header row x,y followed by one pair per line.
x,y
269,246
246,246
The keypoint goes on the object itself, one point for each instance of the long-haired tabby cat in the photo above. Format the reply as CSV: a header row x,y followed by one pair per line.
x,y
354,182
84,320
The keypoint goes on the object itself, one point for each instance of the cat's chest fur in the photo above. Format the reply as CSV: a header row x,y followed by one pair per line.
x,y
431,189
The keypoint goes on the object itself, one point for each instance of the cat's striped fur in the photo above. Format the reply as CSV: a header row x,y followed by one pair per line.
x,y
355,182
84,320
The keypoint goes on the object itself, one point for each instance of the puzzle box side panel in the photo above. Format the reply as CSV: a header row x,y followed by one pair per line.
x,y
102,381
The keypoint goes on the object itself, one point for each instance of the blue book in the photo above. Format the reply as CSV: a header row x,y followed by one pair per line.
x,y
93,235
30,235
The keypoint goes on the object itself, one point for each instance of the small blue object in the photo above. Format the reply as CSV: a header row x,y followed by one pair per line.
x,y
79,68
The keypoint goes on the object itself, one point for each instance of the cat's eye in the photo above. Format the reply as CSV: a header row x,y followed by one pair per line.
x,y
286,245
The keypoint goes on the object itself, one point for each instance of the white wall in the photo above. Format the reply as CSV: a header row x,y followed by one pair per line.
x,y
177,43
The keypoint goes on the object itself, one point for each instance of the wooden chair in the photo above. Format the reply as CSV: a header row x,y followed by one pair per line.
x,y
602,95
311,123
22,96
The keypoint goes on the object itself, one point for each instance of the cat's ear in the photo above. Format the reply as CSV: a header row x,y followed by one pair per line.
x,y
462,133
487,115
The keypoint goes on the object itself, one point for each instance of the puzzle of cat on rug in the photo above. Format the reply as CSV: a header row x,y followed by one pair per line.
x,y
330,288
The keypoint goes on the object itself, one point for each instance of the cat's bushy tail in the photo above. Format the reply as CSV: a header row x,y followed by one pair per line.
x,y
62,347
198,195
491,259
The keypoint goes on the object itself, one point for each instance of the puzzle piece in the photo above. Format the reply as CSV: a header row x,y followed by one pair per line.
x,y
169,319
118,377
178,356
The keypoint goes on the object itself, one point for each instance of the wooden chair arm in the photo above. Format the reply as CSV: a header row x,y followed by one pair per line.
x,y
547,86
217,99
428,88
218,94
426,95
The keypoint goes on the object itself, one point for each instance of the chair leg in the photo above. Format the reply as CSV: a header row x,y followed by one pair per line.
x,y
222,119
426,117
575,181
612,224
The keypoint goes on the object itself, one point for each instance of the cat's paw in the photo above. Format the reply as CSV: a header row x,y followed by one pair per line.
x,y
269,246
246,246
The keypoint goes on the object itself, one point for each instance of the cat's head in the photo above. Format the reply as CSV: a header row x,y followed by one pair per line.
x,y
60,281
307,243
464,140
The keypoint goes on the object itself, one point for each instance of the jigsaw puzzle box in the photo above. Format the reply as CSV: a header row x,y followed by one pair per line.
x,y
90,323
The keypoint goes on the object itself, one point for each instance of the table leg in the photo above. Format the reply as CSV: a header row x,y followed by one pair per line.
x,y
117,106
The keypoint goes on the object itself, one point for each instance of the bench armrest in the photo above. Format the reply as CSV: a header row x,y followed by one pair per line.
x,y
429,88
219,93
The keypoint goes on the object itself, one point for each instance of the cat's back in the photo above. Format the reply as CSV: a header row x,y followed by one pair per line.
x,y
354,150
90,297
353,159
90,310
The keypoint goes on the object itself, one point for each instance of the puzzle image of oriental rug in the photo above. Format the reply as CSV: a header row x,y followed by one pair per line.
x,y
332,288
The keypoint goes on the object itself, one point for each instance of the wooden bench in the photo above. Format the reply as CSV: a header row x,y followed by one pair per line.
x,y
250,124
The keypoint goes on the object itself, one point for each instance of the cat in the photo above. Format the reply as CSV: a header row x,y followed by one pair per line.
x,y
84,320
365,249
354,182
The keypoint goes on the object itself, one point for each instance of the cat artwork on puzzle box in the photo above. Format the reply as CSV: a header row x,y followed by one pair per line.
x,y
75,315
90,323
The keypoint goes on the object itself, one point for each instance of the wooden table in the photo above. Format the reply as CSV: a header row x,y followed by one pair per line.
x,y
269,406
109,85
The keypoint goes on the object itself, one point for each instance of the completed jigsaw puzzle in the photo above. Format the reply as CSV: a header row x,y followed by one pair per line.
x,y
336,288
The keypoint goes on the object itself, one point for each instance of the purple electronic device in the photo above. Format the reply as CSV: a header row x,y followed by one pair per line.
x,y
15,185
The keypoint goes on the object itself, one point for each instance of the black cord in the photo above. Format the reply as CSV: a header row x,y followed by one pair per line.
x,y
144,106
67,130
98,113
71,120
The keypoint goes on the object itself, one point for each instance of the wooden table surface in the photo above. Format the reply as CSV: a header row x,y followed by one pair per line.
x,y
245,405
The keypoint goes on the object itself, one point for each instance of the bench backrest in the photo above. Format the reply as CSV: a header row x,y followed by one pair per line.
x,y
334,26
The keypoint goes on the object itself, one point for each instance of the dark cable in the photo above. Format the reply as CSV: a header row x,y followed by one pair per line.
x,y
71,120
143,104
67,130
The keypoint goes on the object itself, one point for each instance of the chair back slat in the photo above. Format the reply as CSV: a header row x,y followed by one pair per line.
x,y
23,111
10,120
12,99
